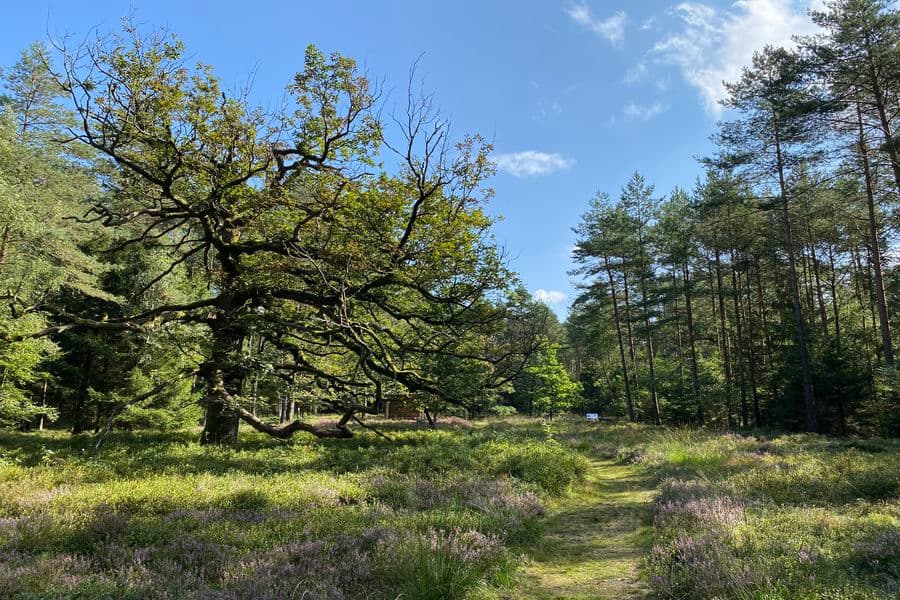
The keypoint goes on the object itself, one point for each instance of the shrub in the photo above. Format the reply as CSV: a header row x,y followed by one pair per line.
x,y
698,566
548,464
880,552
689,504
824,477
442,565
336,568
29,576
502,410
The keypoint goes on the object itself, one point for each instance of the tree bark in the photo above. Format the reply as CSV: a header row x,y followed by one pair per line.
x,y
809,402
222,377
678,334
631,344
823,312
692,341
286,430
739,343
751,348
881,107
835,306
654,397
80,421
807,280
43,405
4,241
874,249
857,276
726,358
612,289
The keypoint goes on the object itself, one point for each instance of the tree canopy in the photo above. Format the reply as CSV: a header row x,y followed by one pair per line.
x,y
283,227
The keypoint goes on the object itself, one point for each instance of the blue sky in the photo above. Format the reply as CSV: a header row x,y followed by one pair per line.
x,y
575,95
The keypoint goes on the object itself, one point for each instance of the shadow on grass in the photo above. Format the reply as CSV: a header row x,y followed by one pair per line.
x,y
142,453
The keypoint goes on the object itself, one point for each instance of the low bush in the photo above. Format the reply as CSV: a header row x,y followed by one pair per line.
x,y
153,515
789,517
547,464
439,564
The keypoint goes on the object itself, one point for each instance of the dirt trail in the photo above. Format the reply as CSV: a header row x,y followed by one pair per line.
x,y
594,542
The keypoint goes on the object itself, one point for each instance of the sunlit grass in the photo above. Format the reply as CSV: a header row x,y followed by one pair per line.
x,y
793,516
428,514
496,509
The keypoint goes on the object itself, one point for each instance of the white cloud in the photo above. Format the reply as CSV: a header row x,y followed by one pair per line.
x,y
714,45
550,297
531,163
644,113
636,73
612,28
649,24
547,110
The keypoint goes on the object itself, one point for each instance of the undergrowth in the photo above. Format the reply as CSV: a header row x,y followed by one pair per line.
x,y
430,514
437,514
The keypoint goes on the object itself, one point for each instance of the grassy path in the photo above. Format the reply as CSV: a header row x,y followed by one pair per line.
x,y
595,538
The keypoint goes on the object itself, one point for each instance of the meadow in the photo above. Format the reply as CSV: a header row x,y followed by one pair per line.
x,y
502,508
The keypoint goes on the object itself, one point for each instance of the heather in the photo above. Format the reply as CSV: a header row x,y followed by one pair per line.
x,y
439,514
499,508
773,516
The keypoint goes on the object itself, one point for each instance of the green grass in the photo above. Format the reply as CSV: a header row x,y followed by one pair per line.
x,y
594,539
679,513
792,516
505,508
430,514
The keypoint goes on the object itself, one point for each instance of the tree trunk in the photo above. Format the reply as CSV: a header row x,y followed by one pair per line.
x,y
751,348
612,289
807,281
678,334
809,402
222,379
43,405
739,343
430,418
870,289
766,337
857,276
4,241
835,306
695,379
221,422
80,421
654,397
874,249
881,106
726,358
763,313
823,312
631,344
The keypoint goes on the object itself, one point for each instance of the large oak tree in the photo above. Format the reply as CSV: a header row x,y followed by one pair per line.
x,y
363,277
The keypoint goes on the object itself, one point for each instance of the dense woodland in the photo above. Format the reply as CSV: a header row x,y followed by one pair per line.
x,y
166,244
764,294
